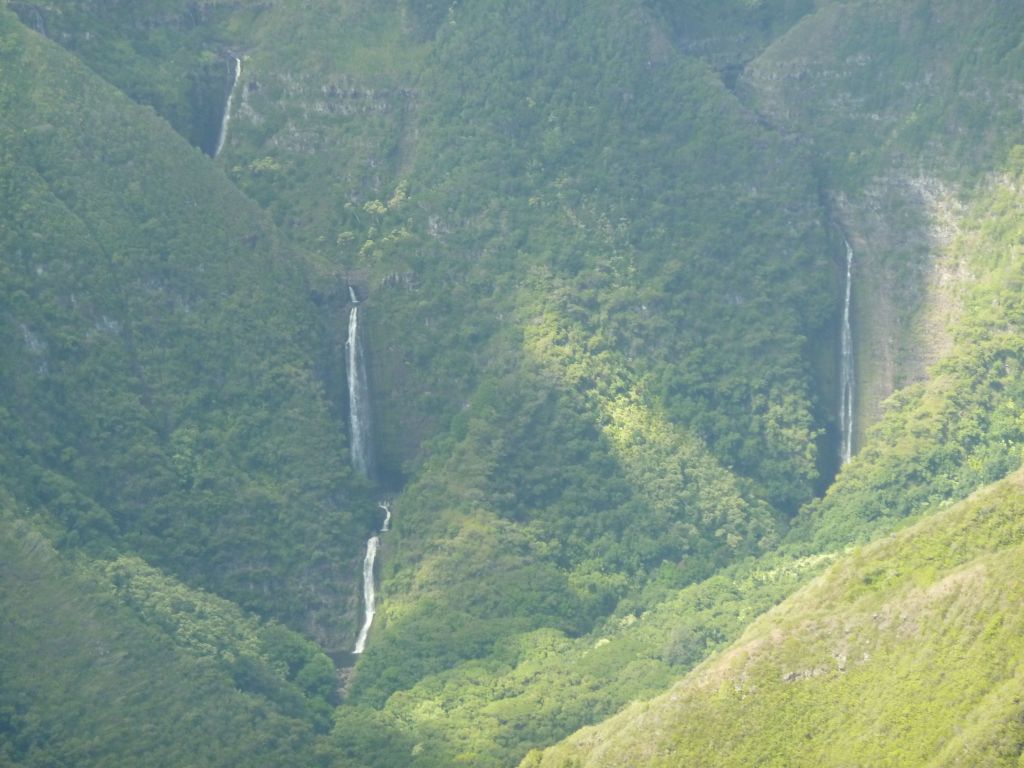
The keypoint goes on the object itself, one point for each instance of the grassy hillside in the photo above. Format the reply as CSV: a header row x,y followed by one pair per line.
x,y
906,652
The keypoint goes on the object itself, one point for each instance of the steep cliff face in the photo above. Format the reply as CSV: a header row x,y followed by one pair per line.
x,y
172,55
598,254
888,128
908,283
936,226
325,120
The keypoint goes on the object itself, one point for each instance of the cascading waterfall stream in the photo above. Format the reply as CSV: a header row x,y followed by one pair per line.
x,y
222,136
362,456
847,380
358,397
369,588
369,593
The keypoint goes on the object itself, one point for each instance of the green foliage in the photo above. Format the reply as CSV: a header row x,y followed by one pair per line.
x,y
87,683
170,55
603,306
964,427
536,686
158,353
887,657
917,85
595,279
267,658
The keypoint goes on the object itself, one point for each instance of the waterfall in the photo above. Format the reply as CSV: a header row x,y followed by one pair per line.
x,y
369,595
847,381
227,109
369,591
358,399
362,455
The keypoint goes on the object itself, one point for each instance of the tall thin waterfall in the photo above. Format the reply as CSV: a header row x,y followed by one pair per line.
x,y
227,109
358,398
369,589
362,455
369,594
847,379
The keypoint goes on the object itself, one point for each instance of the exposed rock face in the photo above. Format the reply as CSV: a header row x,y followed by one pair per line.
x,y
819,83
907,284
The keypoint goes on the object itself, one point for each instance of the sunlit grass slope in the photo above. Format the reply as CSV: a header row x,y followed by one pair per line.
x,y
906,652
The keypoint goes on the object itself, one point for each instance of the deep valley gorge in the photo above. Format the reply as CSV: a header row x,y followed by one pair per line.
x,y
511,383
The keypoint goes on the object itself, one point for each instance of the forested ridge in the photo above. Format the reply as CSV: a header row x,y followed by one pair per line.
x,y
598,249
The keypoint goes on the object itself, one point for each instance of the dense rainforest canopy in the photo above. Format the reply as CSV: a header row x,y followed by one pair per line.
x,y
603,254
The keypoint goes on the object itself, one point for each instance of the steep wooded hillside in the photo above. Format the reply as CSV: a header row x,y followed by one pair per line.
x,y
907,106
159,379
598,253
918,630
119,665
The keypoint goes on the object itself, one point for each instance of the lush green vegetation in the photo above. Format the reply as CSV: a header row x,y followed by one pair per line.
x,y
964,427
159,383
595,246
87,683
907,652
786,684
919,85
170,55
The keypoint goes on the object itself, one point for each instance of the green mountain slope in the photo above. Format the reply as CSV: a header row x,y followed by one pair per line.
x,y
907,106
962,428
907,652
520,300
85,682
171,55
160,355
555,259
923,621
597,247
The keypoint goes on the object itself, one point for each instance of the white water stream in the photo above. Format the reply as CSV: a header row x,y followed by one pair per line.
x,y
847,378
222,136
369,593
358,399
369,588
